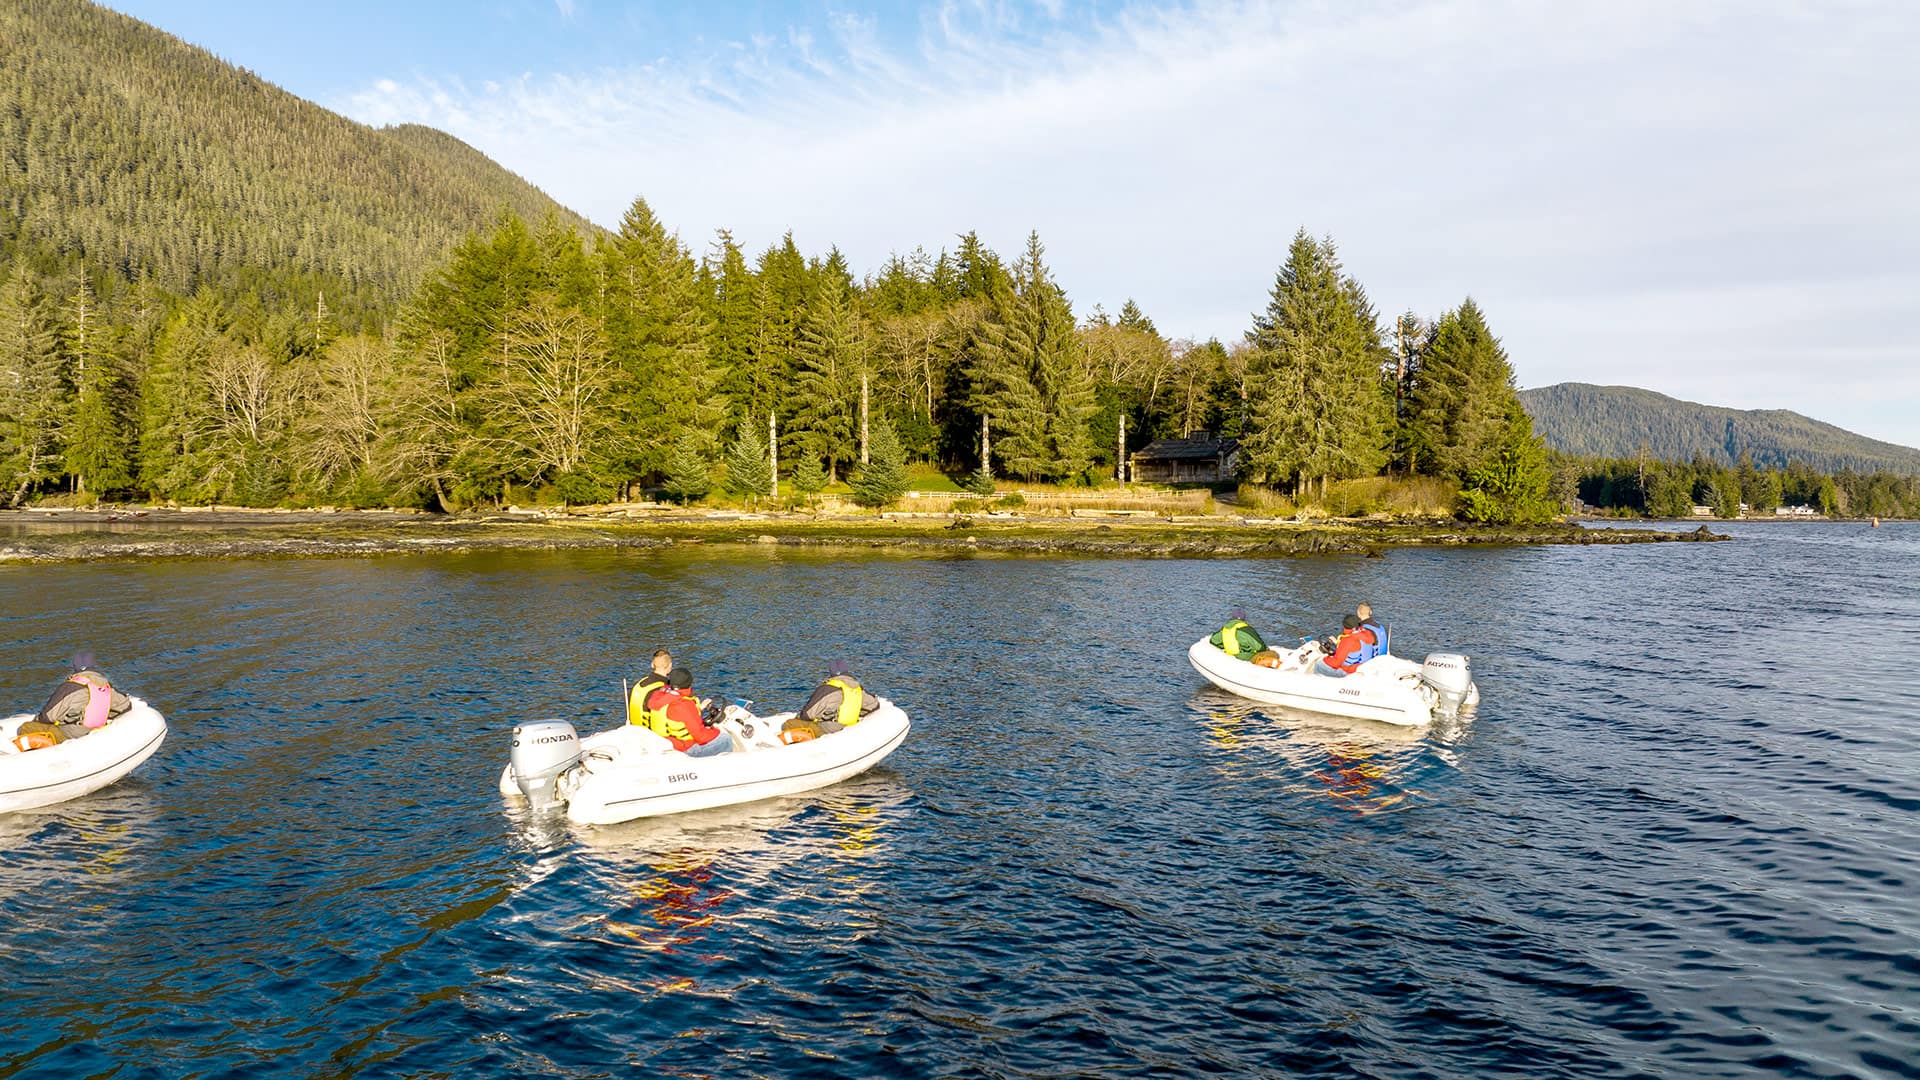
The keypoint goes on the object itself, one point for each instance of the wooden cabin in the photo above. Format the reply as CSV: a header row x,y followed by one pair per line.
x,y
1199,458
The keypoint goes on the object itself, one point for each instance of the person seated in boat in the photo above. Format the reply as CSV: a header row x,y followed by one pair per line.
x,y
1373,631
674,714
654,678
838,703
1345,650
1237,639
85,701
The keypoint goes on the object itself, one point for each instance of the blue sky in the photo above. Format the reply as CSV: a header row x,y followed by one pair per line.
x,y
1713,199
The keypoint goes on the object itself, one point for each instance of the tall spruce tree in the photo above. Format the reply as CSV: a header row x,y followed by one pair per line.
x,y
175,414
1460,397
100,427
1318,410
1031,378
832,356
33,403
731,295
657,334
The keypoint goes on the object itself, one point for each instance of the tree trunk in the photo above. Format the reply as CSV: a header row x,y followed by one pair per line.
x,y
773,452
863,416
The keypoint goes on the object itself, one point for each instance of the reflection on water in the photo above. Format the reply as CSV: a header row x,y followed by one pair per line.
x,y
1081,862
1363,765
97,837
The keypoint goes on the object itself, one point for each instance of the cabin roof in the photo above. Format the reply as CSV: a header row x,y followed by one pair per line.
x,y
1197,446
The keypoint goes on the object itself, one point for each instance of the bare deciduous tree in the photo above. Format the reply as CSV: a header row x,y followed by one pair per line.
x,y
554,388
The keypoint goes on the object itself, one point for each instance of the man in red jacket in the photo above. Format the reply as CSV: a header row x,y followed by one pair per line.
x,y
674,713
1346,651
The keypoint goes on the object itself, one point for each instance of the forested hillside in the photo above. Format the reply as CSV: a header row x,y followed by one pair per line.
x,y
146,159
1617,421
212,291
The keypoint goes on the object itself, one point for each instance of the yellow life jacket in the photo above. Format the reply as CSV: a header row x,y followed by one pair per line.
x,y
1230,637
637,699
850,698
656,720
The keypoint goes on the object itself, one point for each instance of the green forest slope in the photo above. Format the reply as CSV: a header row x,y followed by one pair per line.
x,y
1614,421
122,146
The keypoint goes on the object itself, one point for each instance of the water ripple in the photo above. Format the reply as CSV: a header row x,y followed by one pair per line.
x,y
1675,840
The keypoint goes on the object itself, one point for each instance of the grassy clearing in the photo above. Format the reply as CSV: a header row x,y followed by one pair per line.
x,y
1046,500
1373,496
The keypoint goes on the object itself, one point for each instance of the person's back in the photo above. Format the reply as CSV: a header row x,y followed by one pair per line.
x,y
1237,639
837,703
1374,631
85,700
1346,650
674,714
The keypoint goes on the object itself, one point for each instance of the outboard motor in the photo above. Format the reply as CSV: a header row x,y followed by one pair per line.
x,y
542,751
1451,677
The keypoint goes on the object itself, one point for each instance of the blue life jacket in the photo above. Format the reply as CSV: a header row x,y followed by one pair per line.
x,y
1379,646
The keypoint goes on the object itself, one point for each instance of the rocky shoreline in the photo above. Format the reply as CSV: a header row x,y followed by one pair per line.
x,y
223,533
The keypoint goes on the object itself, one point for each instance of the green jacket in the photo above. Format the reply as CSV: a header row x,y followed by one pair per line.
x,y
1246,641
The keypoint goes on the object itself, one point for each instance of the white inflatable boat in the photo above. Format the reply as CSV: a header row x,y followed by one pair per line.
x,y
54,774
1385,688
629,772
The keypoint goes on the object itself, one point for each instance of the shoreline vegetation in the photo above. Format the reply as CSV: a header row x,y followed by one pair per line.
x,y
221,532
317,314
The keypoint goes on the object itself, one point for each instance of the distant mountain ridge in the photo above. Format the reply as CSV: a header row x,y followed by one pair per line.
x,y
1615,421
122,146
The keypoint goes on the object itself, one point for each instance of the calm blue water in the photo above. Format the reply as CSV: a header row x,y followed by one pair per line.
x,y
1681,837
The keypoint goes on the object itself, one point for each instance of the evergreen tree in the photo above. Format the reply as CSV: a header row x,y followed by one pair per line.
x,y
1132,318
832,357
1460,397
689,474
101,425
1030,377
808,477
658,336
1669,491
749,469
883,479
1513,486
32,399
978,273
733,298
1317,408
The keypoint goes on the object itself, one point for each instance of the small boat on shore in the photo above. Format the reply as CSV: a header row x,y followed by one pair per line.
x,y
1386,688
76,767
629,772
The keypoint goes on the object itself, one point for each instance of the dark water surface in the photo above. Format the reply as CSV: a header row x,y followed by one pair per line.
x,y
1681,837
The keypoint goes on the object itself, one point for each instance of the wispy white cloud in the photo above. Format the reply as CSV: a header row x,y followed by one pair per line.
x,y
1704,198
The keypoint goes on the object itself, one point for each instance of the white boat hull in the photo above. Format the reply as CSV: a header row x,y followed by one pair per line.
x,y
629,773
55,774
1387,689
